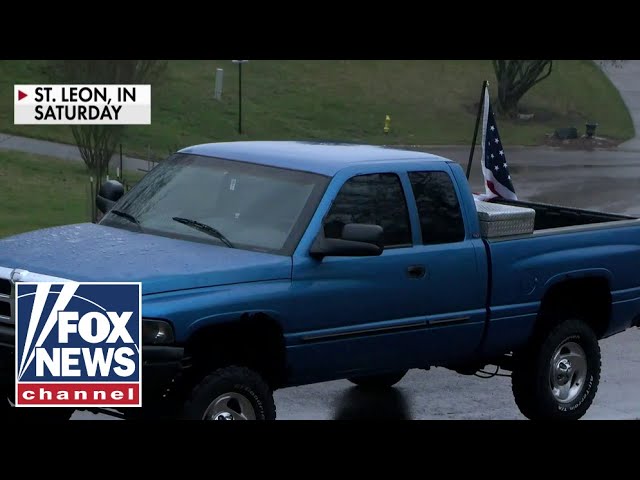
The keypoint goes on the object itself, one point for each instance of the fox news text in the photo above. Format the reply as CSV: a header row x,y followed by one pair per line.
x,y
78,344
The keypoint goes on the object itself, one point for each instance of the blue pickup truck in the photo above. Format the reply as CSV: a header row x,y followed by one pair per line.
x,y
272,264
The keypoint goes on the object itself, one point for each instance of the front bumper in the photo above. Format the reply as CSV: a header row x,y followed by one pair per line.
x,y
162,367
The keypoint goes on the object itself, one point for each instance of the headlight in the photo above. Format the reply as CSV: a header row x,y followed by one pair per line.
x,y
156,332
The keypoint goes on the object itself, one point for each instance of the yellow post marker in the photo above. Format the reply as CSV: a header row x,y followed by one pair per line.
x,y
387,124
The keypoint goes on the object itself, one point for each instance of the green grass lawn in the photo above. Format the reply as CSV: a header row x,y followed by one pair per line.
x,y
39,192
431,102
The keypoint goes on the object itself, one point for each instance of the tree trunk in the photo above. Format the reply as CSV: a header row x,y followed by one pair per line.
x,y
515,78
507,103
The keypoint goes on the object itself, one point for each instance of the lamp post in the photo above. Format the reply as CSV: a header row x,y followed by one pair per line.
x,y
239,63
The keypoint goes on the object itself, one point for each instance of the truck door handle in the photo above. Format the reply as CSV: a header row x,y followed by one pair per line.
x,y
416,271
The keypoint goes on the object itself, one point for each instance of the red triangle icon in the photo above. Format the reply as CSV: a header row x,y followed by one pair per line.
x,y
21,95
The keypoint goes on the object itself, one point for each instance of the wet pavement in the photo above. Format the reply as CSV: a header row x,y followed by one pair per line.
x,y
439,394
606,180
64,151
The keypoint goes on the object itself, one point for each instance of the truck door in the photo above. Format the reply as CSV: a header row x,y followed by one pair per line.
x,y
453,292
358,314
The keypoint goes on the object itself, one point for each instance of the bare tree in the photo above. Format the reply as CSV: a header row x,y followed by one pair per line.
x,y
97,143
517,77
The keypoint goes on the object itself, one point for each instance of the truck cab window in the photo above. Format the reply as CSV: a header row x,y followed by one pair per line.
x,y
375,199
438,207
255,207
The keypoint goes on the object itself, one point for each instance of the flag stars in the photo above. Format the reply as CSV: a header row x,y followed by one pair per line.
x,y
495,168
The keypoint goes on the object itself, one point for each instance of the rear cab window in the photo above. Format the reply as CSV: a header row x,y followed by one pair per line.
x,y
438,207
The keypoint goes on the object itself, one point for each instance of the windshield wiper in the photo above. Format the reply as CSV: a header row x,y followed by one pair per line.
x,y
208,229
127,216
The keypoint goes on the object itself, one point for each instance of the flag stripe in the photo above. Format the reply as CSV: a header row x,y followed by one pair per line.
x,y
495,169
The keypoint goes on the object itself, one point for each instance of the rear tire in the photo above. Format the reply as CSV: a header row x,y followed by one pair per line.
x,y
378,382
231,393
557,377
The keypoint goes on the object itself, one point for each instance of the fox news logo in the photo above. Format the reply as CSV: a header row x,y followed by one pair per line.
x,y
78,344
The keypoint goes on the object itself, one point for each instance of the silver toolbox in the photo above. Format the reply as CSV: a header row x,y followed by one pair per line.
x,y
503,220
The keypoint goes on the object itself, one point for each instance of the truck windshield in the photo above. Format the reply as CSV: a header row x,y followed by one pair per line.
x,y
251,206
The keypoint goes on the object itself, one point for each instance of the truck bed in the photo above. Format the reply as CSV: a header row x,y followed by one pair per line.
x,y
567,244
556,216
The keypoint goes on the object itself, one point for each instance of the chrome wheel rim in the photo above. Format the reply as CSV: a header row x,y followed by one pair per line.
x,y
568,372
230,406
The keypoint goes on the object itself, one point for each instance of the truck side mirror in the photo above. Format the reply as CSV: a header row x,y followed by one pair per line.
x,y
110,192
362,232
357,240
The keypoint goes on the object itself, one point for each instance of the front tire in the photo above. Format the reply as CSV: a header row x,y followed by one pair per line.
x,y
557,378
379,382
231,393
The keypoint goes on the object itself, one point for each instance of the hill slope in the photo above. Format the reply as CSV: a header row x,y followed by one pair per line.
x,y
430,102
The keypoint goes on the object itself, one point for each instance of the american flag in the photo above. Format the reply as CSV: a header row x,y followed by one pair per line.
x,y
495,169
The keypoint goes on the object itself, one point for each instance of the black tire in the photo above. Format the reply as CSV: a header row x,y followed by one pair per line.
x,y
378,382
531,381
236,381
9,413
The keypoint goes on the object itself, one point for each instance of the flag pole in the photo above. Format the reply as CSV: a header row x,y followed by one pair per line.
x,y
485,84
